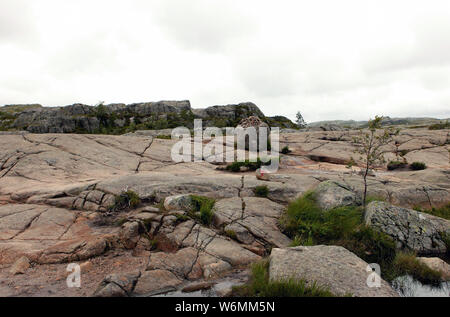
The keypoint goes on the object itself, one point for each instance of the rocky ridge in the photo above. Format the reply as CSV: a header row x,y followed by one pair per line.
x,y
121,118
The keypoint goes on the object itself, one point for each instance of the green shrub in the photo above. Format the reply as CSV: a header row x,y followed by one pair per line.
x,y
231,234
181,218
285,150
6,116
307,221
204,206
126,200
406,263
252,166
260,285
261,191
393,165
418,166
440,126
371,245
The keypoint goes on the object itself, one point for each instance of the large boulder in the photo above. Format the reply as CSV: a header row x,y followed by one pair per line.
x,y
333,267
331,194
410,229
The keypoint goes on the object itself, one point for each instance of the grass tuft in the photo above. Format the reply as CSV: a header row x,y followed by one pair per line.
x,y
393,165
418,166
126,200
261,191
204,206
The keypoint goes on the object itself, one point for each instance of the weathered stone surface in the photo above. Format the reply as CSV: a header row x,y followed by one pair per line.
x,y
15,219
335,268
410,229
183,263
55,190
129,234
331,194
251,216
115,285
73,250
194,287
20,266
152,282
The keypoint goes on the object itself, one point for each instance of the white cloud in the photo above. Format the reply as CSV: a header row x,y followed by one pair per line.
x,y
347,59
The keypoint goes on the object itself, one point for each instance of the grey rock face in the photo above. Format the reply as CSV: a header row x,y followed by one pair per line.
x,y
83,118
410,229
80,117
232,112
331,194
149,108
335,268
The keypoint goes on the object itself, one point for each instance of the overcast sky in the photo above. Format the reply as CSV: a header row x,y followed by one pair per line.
x,y
328,59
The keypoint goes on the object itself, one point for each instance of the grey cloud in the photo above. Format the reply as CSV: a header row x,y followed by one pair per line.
x,y
202,25
430,47
16,22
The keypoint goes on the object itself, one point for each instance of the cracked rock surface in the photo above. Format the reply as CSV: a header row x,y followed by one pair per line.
x,y
56,191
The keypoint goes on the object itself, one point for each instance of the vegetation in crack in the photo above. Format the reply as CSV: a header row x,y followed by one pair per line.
x,y
126,200
203,209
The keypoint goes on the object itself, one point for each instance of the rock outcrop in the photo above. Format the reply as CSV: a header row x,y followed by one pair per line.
x,y
333,267
410,229
121,118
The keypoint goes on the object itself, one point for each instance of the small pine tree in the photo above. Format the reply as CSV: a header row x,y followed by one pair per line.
x,y
300,121
369,145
